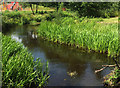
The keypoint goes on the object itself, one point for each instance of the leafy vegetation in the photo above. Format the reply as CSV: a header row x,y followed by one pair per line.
x,y
19,69
82,32
64,27
26,17
21,18
113,79
94,9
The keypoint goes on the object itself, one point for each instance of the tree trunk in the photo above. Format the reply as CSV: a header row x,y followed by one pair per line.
x,y
57,6
36,8
32,9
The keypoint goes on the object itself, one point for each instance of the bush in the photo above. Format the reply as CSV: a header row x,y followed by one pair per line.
x,y
37,18
21,18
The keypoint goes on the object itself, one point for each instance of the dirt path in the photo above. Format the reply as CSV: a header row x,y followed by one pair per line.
x,y
109,22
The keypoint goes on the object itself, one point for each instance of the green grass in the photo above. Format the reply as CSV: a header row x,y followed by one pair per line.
x,y
110,20
18,66
11,18
66,27
21,17
40,8
82,32
105,20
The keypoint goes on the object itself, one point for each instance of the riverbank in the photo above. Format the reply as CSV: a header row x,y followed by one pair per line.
x,y
91,34
100,35
63,60
82,32
112,79
18,66
97,34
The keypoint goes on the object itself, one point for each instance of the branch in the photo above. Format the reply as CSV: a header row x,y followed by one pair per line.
x,y
96,71
104,66
108,65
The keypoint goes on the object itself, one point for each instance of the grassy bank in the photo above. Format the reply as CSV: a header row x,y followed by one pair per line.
x,y
18,66
82,32
12,18
22,17
113,78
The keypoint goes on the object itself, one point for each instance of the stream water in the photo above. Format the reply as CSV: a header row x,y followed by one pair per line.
x,y
68,66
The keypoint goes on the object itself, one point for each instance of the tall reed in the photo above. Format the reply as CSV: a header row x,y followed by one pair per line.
x,y
82,33
18,66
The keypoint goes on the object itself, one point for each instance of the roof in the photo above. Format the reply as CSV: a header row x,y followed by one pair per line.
x,y
9,6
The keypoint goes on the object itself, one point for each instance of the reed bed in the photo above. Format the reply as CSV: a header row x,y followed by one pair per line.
x,y
19,68
82,32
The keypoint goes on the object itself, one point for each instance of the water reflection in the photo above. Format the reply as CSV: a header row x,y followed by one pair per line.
x,y
68,66
18,39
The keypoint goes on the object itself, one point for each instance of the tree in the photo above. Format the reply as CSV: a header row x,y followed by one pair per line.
x,y
31,8
95,9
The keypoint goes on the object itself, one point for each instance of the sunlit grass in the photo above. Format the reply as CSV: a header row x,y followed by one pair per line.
x,y
40,8
82,33
19,68
112,20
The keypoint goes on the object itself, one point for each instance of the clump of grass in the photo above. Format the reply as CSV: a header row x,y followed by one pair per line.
x,y
82,32
18,66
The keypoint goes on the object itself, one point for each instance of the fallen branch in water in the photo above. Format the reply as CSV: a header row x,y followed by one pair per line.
x,y
104,66
96,71
108,65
